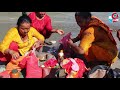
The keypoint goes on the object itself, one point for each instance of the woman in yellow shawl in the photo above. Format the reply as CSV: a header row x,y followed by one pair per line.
x,y
96,41
20,39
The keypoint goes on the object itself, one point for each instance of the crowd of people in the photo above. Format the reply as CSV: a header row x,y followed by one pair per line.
x,y
97,44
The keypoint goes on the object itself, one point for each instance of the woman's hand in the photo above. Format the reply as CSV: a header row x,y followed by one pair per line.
x,y
70,42
38,44
15,55
61,32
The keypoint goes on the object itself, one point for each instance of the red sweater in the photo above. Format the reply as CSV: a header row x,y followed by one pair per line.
x,y
43,25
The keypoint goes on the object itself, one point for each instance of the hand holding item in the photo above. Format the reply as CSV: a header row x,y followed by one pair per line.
x,y
15,55
61,32
70,42
37,44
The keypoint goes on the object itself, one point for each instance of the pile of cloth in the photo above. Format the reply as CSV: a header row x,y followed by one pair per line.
x,y
75,68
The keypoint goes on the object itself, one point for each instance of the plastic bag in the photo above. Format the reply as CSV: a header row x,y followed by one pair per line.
x,y
30,62
65,39
67,50
13,64
103,71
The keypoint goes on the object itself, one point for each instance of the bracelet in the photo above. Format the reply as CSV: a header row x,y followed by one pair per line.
x,y
10,51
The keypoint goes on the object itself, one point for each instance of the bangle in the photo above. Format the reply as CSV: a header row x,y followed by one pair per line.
x,y
10,51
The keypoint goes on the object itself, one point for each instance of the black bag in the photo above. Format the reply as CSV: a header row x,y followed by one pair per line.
x,y
114,73
98,71
103,71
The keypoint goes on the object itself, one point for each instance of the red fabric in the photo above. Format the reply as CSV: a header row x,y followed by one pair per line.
x,y
44,25
50,63
13,46
67,67
82,67
5,74
30,62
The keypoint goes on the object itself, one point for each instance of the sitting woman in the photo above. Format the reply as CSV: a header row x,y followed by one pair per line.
x,y
20,40
96,41
42,22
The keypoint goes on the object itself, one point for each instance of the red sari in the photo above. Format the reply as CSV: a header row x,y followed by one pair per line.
x,y
7,57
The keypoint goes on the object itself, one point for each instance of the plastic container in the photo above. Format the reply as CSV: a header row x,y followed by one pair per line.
x,y
15,74
60,56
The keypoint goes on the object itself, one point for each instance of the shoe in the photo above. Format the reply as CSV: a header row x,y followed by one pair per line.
x,y
48,43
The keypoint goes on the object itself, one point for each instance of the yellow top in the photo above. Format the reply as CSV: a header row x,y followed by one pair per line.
x,y
13,35
97,45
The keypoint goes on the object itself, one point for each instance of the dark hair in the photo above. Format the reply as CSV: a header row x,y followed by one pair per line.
x,y
85,15
36,12
24,13
23,18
